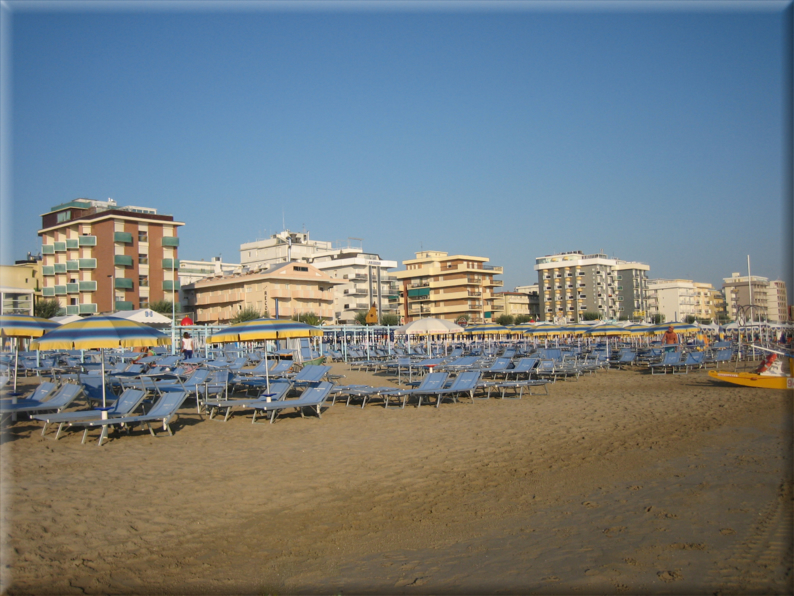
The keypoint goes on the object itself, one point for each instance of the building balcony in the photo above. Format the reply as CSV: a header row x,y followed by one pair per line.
x,y
122,283
72,244
124,305
172,241
59,246
72,288
60,267
87,286
122,260
171,286
47,249
88,308
87,241
87,263
170,263
122,237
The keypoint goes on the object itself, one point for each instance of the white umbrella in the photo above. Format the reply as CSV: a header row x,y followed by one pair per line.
x,y
429,326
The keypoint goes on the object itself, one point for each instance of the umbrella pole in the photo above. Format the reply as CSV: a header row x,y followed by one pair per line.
x,y
102,352
16,365
267,375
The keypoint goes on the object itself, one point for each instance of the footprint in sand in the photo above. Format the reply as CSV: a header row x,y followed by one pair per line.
x,y
669,576
727,531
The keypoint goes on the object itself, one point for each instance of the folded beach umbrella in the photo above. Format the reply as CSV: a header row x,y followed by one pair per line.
x,y
101,332
24,326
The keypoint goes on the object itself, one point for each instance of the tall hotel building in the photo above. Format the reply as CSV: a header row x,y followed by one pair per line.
x,y
99,257
573,283
437,284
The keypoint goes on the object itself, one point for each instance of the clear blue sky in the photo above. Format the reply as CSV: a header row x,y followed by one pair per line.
x,y
655,134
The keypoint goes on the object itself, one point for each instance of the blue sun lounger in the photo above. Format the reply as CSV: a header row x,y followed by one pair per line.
x,y
313,397
164,410
465,382
59,400
278,389
124,406
430,383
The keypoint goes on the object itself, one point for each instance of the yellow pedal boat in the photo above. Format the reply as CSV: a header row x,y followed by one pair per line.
x,y
774,373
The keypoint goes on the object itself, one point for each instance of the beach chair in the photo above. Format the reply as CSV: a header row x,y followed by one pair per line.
x,y
518,387
464,383
499,367
525,366
58,400
310,375
39,395
692,360
124,406
626,358
431,382
669,361
163,411
313,397
278,390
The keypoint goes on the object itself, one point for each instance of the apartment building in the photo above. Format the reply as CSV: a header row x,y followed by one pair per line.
x,y
533,293
674,299
98,256
280,292
573,283
191,271
365,280
437,284
769,300
511,304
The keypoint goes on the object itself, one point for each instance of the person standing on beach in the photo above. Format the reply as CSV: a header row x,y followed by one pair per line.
x,y
187,346
670,339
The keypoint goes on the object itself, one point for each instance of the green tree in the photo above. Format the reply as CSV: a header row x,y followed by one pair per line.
x,y
504,319
390,319
164,307
309,318
522,319
247,314
690,319
46,309
589,315
657,319
464,317
361,317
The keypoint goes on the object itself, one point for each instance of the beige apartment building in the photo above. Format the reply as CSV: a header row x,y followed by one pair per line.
x,y
769,300
286,290
437,284
510,303
19,287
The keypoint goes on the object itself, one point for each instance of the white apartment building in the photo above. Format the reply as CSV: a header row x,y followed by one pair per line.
x,y
572,283
675,299
366,279
769,300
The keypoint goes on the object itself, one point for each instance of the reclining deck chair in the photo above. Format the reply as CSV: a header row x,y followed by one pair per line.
x,y
164,410
124,406
465,382
431,382
278,390
313,397
57,402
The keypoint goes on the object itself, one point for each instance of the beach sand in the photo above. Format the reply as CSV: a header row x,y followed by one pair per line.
x,y
620,482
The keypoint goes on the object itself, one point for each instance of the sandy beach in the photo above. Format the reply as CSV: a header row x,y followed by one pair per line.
x,y
620,482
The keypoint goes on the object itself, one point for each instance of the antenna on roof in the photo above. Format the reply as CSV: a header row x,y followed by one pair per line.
x,y
283,225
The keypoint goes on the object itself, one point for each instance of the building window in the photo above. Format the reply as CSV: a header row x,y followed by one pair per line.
x,y
143,259
143,281
299,268
143,236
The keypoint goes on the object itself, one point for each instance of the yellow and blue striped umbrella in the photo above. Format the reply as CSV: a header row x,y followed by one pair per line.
x,y
25,325
677,327
487,328
608,329
261,329
101,332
